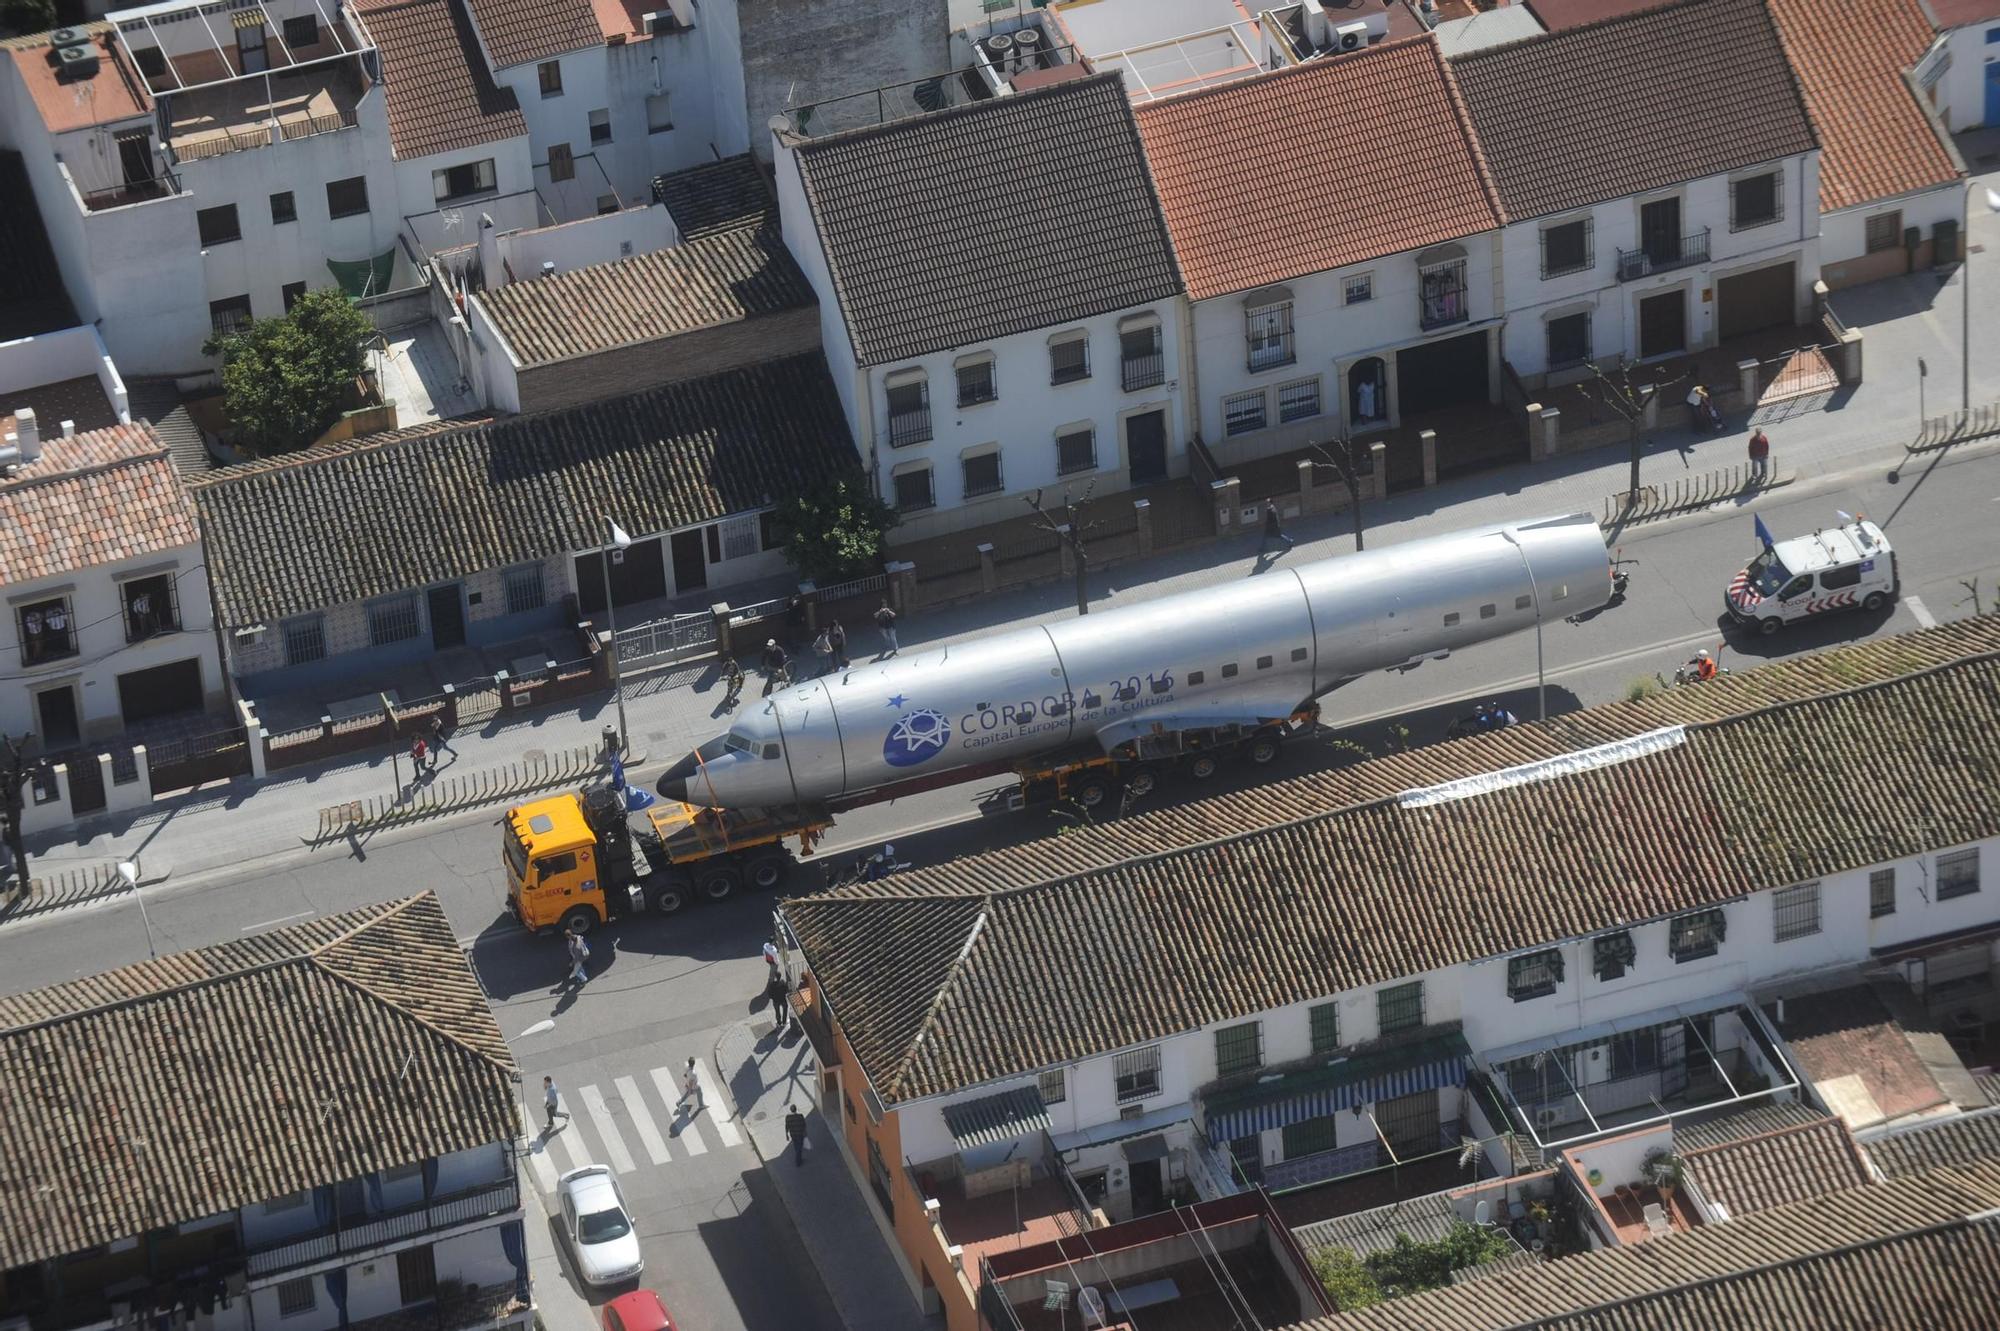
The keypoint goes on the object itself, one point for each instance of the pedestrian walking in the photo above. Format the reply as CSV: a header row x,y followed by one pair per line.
x,y
1274,529
690,1089
795,1128
1760,454
775,993
551,1105
885,624
579,952
440,742
823,651
420,756
836,637
776,660
771,952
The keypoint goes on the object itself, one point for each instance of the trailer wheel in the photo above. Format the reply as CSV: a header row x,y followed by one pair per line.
x,y
1263,748
668,895
716,883
1090,792
1203,766
768,871
578,920
1143,782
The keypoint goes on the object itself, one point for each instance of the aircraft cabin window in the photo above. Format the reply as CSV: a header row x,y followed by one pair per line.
x,y
1195,677
1229,671
1488,611
1451,619
1263,663
771,750
1524,602
1298,653
1562,593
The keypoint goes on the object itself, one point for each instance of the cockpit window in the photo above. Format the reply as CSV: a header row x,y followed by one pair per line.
x,y
721,744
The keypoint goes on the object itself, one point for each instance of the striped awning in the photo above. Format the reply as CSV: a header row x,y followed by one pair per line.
x,y
1336,1087
997,1118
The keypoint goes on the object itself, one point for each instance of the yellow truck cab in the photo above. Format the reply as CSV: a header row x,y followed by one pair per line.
x,y
553,875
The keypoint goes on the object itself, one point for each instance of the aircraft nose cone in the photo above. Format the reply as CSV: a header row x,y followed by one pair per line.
x,y
673,782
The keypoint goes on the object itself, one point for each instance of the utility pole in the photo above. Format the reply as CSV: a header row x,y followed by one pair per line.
x,y
15,771
1071,534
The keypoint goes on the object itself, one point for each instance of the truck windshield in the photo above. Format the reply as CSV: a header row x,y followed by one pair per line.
x,y
1768,573
516,853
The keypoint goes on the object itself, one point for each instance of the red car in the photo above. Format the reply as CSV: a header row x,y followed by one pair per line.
x,y
641,1310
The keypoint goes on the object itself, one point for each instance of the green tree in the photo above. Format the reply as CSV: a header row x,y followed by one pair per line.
x,y
285,380
834,532
1406,1267
1346,1281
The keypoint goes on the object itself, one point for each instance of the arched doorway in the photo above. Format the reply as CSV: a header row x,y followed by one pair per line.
x,y
1367,394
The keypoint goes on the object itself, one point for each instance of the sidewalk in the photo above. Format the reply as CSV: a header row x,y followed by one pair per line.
x,y
834,1221
558,1307
240,825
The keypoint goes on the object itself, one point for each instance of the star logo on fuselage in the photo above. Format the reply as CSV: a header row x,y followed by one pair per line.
x,y
898,700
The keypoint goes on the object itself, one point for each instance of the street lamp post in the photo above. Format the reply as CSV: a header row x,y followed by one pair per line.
x,y
1535,594
616,540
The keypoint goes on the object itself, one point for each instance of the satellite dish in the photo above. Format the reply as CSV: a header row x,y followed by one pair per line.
x,y
452,218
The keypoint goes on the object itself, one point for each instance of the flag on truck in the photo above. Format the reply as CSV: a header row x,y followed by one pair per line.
x,y
1763,532
636,798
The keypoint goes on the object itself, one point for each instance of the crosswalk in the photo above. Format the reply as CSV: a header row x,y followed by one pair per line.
x,y
598,1126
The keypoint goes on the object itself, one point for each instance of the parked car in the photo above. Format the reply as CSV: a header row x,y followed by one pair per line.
x,y
641,1310
599,1227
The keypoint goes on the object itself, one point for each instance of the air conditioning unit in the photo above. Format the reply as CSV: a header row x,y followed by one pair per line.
x,y
1350,36
60,38
656,21
76,62
1547,1117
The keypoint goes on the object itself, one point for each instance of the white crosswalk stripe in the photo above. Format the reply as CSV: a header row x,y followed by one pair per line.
x,y
670,1091
649,1136
718,1107
600,1118
570,1138
538,1154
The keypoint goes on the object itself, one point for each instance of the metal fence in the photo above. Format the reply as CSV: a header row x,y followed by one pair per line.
x,y
842,591
675,638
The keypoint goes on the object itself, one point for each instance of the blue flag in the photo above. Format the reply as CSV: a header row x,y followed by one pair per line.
x,y
637,798
617,773
1763,532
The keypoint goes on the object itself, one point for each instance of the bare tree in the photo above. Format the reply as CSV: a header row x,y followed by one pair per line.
x,y
1340,456
16,769
1071,533
1627,400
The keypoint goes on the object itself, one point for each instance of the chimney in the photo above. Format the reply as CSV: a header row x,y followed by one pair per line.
x,y
29,437
489,255
69,429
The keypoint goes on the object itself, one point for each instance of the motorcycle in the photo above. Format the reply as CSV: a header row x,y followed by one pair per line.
x,y
1685,673
1620,579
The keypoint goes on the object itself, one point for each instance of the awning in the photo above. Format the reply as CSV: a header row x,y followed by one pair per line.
x,y
364,277
1141,1149
1449,252
996,1118
1283,1099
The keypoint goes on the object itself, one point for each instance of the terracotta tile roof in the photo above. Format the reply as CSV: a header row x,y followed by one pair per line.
x,y
1959,1139
725,277
212,1079
989,218
715,196
1959,13
347,521
94,499
1632,103
517,31
1754,1121
947,984
1259,183
1851,1034
1558,14
1773,1168
1875,140
435,84
1898,1256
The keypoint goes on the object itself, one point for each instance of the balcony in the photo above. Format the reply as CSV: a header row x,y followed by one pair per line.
x,y
379,1231
1144,371
1441,298
1662,256
166,185
909,427
255,111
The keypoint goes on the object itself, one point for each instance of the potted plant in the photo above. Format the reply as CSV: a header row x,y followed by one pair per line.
x,y
1664,1170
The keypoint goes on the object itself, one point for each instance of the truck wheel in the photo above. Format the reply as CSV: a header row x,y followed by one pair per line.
x,y
1263,749
1203,766
768,871
1143,782
1873,601
1769,625
668,895
1090,792
578,920
716,883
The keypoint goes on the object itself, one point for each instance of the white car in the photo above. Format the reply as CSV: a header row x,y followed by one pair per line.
x,y
599,1228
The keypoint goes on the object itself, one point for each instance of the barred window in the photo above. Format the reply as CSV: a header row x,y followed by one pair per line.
x,y
1069,360
1269,333
1136,1073
982,475
1297,401
305,640
1400,1008
392,621
1958,874
1311,1137
526,589
1325,1018
1611,955
1566,248
1795,912
1239,1048
1635,1051
739,536
1076,450
1755,201
295,1297
1054,1087
1883,231
1694,936
880,1180
1243,413
1881,893
1535,975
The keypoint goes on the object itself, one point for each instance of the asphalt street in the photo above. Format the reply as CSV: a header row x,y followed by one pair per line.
x,y
719,1247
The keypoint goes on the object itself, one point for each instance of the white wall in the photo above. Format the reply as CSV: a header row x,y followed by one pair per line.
x,y
589,241
51,358
795,221
511,202
1960,94
1844,234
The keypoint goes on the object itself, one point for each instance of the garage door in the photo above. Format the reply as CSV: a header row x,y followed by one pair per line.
x,y
1441,374
640,576
1750,301
160,691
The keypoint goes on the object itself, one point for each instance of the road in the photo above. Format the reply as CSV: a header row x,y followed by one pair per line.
x,y
718,1246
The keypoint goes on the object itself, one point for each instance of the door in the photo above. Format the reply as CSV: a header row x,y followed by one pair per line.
x,y
55,709
690,561
1750,301
165,690
250,46
1993,93
640,576
1663,324
1660,230
135,157
447,616
1146,447
1147,1194
1409,1124
1435,375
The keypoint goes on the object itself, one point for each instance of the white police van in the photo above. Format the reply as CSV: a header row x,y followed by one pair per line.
x,y
1849,567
